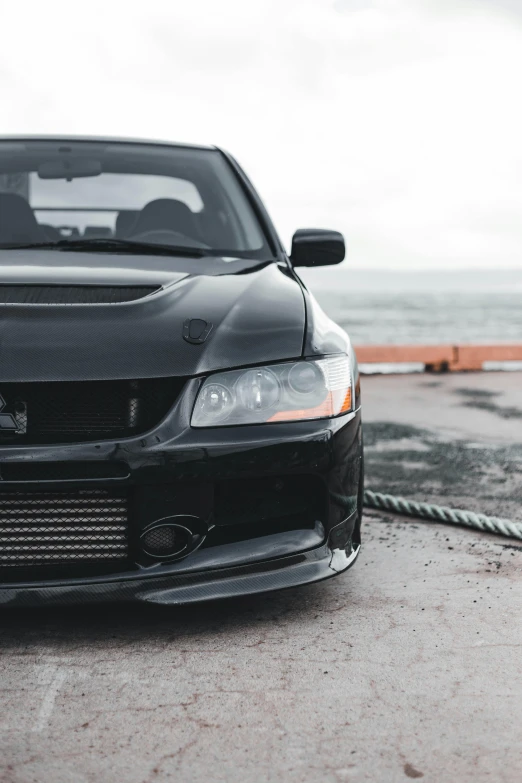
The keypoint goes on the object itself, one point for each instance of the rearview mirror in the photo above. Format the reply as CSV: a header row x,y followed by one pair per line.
x,y
317,247
70,168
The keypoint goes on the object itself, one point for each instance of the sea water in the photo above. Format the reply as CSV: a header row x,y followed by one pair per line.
x,y
429,308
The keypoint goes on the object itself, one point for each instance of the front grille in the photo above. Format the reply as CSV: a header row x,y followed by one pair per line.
x,y
72,294
79,411
57,528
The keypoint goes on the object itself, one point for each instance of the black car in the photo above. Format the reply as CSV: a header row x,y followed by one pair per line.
x,y
179,420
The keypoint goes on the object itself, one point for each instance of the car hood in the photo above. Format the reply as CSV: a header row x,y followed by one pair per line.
x,y
256,312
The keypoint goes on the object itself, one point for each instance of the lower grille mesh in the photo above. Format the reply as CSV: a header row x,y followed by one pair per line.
x,y
54,528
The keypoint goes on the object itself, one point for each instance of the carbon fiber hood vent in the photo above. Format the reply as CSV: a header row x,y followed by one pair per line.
x,y
72,294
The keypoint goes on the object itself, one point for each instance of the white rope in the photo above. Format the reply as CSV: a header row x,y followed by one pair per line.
x,y
455,516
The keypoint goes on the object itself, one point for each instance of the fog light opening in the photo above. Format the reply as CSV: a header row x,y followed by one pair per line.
x,y
166,540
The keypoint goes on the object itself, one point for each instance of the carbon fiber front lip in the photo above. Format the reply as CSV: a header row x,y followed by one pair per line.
x,y
291,571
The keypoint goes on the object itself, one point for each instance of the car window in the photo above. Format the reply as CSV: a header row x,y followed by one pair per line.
x,y
131,192
51,191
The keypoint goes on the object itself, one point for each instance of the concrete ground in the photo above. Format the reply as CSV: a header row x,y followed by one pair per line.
x,y
408,666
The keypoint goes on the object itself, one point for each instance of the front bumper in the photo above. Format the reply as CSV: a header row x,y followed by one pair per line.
x,y
175,469
175,588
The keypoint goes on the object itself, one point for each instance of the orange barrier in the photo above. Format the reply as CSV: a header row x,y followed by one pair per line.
x,y
471,357
439,357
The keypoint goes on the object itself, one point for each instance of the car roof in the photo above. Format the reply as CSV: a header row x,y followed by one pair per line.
x,y
103,139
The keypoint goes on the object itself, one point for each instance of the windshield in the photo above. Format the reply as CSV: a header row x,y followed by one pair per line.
x,y
56,193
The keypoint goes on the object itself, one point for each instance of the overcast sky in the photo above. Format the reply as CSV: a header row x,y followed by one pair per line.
x,y
398,122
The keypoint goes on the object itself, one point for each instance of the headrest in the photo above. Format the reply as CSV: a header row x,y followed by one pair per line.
x,y
166,214
17,220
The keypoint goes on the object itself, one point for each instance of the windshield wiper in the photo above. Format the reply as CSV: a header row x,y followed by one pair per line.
x,y
105,245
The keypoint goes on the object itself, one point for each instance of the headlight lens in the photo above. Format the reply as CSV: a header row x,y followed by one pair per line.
x,y
257,390
308,389
215,401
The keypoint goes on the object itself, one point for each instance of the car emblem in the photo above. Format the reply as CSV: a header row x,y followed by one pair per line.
x,y
7,421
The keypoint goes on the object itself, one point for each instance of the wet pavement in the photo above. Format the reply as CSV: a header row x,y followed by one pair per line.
x,y
450,439
408,666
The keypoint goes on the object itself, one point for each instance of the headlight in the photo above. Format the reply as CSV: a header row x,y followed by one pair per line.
x,y
308,389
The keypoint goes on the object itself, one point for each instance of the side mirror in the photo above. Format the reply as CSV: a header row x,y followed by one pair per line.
x,y
317,247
